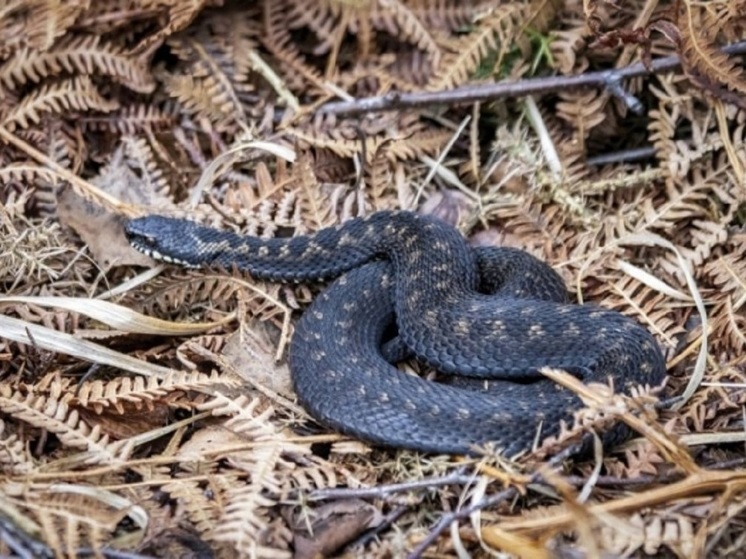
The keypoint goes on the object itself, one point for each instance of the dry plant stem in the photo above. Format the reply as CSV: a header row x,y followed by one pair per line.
x,y
20,543
489,92
611,481
80,185
447,519
109,554
643,18
26,547
457,477
385,524
729,482
624,156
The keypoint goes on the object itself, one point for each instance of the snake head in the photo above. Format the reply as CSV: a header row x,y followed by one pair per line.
x,y
162,238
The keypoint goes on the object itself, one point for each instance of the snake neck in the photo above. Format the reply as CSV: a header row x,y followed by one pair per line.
x,y
431,256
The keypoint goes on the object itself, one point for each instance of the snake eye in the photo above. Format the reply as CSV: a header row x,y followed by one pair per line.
x,y
147,241
139,239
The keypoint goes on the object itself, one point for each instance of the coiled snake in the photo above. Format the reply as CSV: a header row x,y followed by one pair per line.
x,y
495,314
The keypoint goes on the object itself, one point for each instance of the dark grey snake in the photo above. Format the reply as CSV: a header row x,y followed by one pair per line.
x,y
496,314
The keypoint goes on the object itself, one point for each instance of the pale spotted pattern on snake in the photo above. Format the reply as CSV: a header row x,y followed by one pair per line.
x,y
496,314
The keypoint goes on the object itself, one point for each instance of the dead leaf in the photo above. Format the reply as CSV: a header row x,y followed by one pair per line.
x,y
324,530
209,439
251,353
101,229
119,426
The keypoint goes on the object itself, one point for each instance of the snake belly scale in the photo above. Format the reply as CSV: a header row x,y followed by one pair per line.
x,y
494,315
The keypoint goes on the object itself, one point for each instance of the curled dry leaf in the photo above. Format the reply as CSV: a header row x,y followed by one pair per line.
x,y
322,531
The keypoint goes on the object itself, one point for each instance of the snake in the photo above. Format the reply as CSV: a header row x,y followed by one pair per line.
x,y
404,284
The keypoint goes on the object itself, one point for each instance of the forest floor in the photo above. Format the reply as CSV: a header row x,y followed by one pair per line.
x,y
147,410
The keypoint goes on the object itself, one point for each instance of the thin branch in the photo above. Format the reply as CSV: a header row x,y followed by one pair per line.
x,y
457,477
447,519
19,542
488,92
624,156
385,524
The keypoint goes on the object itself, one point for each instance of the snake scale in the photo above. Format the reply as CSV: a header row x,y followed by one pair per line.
x,y
492,315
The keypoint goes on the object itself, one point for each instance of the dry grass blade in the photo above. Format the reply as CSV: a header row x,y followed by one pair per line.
x,y
650,239
47,339
603,403
134,512
118,316
703,483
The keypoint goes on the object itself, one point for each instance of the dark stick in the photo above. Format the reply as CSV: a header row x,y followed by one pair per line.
x,y
625,156
385,524
488,92
447,519
382,491
21,544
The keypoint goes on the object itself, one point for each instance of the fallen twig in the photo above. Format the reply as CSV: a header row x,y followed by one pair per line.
x,y
534,86
447,519
457,477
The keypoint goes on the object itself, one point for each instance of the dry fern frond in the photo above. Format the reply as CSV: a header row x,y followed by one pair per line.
x,y
650,535
202,504
380,179
244,519
138,392
584,110
645,304
704,236
726,274
662,129
330,21
25,173
429,141
567,50
314,210
214,77
79,94
245,418
703,60
81,55
495,35
55,416
312,472
340,140
131,119
178,295
71,516
204,97
537,226
15,458
179,15
139,156
278,41
685,202
398,20
36,23
244,522
447,14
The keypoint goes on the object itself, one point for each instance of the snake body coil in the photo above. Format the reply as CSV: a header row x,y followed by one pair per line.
x,y
495,314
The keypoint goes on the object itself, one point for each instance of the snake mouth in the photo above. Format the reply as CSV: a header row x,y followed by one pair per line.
x,y
158,256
